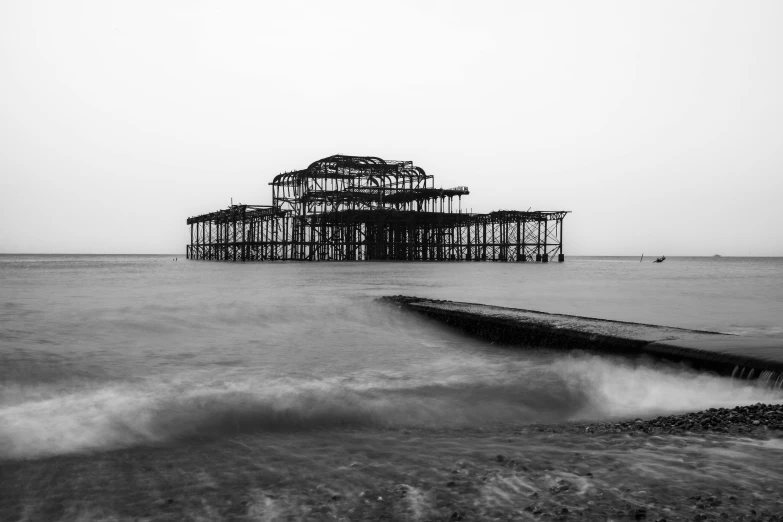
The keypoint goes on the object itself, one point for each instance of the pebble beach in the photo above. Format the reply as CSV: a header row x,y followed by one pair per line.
x,y
718,464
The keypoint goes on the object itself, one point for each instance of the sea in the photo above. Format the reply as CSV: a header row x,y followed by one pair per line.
x,y
151,386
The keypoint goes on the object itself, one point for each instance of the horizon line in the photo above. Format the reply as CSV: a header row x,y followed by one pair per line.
x,y
183,254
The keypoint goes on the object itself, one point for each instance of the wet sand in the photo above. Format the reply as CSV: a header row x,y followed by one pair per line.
x,y
721,464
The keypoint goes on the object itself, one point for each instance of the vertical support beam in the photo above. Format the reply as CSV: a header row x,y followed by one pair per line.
x,y
274,238
538,243
264,240
561,255
233,225
313,245
484,241
468,255
494,250
287,227
200,240
244,237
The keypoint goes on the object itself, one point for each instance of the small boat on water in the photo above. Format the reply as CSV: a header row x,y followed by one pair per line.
x,y
660,259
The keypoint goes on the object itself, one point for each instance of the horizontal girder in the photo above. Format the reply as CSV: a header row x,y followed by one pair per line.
x,y
364,207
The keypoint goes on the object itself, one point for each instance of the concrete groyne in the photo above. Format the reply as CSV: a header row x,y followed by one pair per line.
x,y
739,356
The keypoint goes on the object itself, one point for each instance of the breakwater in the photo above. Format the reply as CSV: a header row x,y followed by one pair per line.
x,y
738,356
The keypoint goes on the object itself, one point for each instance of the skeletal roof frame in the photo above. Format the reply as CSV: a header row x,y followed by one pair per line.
x,y
364,207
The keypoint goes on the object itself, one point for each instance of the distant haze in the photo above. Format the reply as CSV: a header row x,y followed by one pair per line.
x,y
659,124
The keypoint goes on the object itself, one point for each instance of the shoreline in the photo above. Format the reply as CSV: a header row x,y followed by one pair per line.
x,y
755,419
649,470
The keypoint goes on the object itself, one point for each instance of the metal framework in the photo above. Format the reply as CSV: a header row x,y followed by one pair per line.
x,y
350,208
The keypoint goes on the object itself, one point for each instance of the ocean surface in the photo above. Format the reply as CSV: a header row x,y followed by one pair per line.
x,y
108,353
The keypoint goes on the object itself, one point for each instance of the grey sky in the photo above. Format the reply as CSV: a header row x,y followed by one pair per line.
x,y
659,124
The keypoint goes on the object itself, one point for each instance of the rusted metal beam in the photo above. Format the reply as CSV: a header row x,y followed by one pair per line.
x,y
367,208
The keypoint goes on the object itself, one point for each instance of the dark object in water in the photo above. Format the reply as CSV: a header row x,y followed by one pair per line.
x,y
742,357
660,259
364,208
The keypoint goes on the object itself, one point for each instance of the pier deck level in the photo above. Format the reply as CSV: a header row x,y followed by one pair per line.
x,y
735,355
351,208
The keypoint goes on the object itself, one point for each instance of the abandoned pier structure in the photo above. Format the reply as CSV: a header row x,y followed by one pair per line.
x,y
349,208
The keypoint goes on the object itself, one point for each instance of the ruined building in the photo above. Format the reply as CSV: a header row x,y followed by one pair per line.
x,y
349,208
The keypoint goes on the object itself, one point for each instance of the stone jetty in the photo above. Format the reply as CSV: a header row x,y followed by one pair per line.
x,y
739,356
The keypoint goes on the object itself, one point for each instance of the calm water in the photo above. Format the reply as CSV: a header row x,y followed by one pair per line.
x,y
107,352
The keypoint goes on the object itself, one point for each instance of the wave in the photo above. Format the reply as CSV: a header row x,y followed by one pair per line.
x,y
106,416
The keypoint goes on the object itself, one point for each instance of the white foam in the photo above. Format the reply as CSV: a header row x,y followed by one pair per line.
x,y
619,388
453,391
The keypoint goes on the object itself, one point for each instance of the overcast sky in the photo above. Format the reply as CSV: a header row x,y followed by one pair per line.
x,y
658,124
